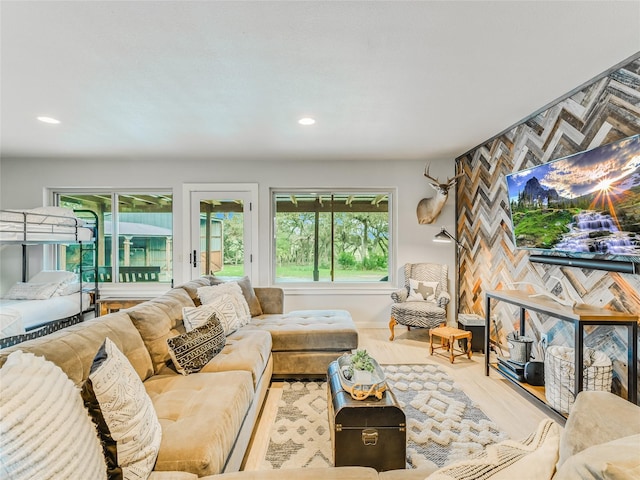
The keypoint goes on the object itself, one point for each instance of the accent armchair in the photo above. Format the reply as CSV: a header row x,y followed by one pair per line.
x,y
422,303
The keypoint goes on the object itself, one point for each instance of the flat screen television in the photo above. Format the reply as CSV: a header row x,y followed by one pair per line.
x,y
586,203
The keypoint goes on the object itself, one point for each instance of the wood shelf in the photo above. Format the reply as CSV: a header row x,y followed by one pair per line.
x,y
536,392
580,315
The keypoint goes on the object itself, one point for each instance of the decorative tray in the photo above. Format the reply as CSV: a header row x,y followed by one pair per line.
x,y
359,383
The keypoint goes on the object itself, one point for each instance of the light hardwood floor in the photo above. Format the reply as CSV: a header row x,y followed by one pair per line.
x,y
496,397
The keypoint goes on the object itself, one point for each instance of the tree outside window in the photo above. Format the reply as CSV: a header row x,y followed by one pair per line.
x,y
331,236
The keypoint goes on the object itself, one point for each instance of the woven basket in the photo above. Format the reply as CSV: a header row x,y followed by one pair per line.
x,y
559,375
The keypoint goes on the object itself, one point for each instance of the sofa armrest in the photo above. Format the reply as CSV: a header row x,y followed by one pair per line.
x,y
271,299
399,296
443,299
597,417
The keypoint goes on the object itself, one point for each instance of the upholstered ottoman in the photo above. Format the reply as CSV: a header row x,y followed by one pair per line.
x,y
305,342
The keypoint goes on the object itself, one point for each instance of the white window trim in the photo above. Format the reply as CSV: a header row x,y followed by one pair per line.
x,y
114,288
340,288
187,190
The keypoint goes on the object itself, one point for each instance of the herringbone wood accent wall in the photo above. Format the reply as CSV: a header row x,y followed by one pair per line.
x,y
606,110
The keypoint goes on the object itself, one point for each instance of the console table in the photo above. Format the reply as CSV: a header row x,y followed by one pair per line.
x,y
580,316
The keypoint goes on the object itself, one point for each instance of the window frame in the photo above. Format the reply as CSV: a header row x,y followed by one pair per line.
x,y
54,194
350,286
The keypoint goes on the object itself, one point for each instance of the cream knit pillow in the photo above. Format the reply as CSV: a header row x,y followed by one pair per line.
x,y
122,409
45,431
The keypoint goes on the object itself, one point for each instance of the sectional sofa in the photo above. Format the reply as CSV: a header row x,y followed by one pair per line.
x,y
207,417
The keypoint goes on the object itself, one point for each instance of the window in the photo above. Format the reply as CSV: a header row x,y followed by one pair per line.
x,y
135,235
331,236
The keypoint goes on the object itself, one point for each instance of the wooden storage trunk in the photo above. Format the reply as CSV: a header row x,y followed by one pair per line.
x,y
370,432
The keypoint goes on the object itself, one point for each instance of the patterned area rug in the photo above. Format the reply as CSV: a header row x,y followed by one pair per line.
x,y
443,424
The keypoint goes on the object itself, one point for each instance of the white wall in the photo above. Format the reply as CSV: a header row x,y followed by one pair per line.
x,y
23,183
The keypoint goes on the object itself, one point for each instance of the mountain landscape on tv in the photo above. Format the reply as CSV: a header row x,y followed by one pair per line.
x,y
585,203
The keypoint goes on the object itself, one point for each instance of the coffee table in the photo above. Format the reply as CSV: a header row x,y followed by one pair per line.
x,y
366,433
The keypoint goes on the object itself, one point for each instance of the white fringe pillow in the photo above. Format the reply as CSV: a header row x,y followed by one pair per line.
x,y
45,431
209,295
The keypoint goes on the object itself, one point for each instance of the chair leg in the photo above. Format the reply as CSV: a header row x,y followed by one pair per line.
x,y
392,323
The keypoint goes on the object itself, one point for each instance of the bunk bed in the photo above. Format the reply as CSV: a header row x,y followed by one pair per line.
x,y
49,300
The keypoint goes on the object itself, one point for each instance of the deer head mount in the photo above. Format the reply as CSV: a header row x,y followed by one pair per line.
x,y
429,208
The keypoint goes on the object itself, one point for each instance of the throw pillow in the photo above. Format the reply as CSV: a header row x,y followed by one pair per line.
x,y
209,294
192,350
45,430
31,291
250,296
222,306
534,458
420,290
124,414
617,459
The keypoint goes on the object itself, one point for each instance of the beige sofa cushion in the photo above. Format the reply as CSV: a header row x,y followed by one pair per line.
x,y
200,415
172,302
615,460
597,417
245,350
309,330
192,286
160,319
74,348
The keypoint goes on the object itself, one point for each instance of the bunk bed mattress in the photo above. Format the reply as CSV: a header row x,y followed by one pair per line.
x,y
18,316
12,232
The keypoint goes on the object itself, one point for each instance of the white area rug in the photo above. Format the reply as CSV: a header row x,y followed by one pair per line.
x,y
443,424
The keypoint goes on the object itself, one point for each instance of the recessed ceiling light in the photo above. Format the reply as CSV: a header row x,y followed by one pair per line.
x,y
49,120
306,121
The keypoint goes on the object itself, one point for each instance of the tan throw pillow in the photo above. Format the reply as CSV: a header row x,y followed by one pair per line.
x,y
124,414
45,430
615,460
534,458
193,350
250,296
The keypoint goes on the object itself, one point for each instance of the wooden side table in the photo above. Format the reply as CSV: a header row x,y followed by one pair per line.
x,y
113,304
448,337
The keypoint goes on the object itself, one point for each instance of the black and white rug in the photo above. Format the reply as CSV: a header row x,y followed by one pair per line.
x,y
443,424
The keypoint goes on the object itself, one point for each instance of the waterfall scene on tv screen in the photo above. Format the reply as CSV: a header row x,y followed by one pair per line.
x,y
585,203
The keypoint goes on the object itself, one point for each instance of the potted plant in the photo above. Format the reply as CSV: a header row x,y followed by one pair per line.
x,y
361,368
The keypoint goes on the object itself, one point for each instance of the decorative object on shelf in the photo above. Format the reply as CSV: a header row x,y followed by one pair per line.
x,y
560,373
361,375
567,299
519,347
429,208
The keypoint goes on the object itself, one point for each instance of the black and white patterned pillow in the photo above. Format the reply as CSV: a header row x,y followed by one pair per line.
x,y
192,350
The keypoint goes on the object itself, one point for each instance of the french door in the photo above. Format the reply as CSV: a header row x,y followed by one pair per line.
x,y
222,232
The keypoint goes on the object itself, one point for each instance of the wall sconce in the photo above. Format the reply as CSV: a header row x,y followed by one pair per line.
x,y
446,237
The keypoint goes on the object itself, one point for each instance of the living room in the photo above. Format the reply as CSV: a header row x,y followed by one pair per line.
x,y
110,137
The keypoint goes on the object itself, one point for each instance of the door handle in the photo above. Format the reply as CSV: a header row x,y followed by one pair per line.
x,y
195,254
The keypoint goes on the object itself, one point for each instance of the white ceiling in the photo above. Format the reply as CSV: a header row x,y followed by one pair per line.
x,y
229,80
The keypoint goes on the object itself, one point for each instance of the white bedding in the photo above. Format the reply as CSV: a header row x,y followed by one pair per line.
x,y
33,313
43,224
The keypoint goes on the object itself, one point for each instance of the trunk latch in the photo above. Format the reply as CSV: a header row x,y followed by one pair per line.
x,y
369,436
